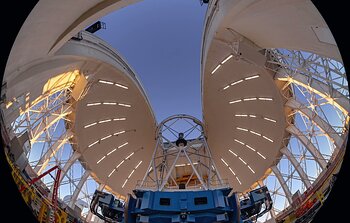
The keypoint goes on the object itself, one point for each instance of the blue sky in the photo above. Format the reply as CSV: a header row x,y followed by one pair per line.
x,y
161,41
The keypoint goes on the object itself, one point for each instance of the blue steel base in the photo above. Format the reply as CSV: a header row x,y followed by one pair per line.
x,y
210,206
183,206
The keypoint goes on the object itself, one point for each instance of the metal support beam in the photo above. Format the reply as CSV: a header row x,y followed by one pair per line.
x,y
304,178
273,216
170,170
78,189
68,165
213,164
333,96
283,183
168,155
308,145
152,165
322,124
44,160
199,176
52,119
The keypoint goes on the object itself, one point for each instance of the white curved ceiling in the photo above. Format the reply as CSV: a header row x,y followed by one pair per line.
x,y
114,125
51,24
244,116
115,128
289,24
231,96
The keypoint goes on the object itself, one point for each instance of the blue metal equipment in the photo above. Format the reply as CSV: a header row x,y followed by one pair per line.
x,y
182,206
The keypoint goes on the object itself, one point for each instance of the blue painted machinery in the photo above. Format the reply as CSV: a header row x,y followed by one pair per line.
x,y
182,206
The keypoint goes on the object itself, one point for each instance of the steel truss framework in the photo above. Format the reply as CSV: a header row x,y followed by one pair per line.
x,y
168,155
318,127
46,120
318,123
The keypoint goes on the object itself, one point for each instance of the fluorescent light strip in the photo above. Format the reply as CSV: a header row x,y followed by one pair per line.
x,y
216,68
267,138
92,104
238,180
123,145
232,171
116,84
121,86
242,129
111,152
125,183
251,169
119,119
242,160
109,103
106,120
251,77
124,105
131,173
110,174
93,143
105,82
129,156
251,148
226,59
106,137
235,101
226,87
232,152
255,133
252,116
236,82
224,161
89,125
268,119
101,159
138,164
179,165
265,99
118,133
241,115
120,164
239,141
249,99
261,155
